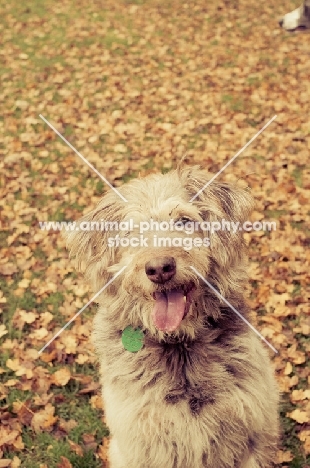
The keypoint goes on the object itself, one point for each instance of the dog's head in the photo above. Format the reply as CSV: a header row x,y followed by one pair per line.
x,y
298,19
161,232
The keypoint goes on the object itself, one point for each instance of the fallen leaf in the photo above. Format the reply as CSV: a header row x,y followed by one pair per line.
x,y
8,269
61,377
64,463
44,419
300,416
76,448
3,330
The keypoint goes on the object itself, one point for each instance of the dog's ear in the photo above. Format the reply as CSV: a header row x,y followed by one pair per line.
x,y
181,164
216,202
224,199
88,241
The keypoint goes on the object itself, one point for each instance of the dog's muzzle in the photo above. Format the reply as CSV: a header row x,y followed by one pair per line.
x,y
160,269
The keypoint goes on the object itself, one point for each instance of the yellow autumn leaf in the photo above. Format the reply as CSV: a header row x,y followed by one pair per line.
x,y
3,330
13,364
288,368
2,298
304,436
28,317
61,377
300,416
24,283
120,148
44,419
284,456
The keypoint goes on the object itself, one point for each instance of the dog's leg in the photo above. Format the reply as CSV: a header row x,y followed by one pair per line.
x,y
116,460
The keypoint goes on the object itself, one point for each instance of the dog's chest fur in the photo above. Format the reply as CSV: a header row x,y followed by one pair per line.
x,y
172,381
189,378
181,370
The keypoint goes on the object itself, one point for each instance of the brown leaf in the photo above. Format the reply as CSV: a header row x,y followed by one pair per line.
x,y
284,456
16,463
64,463
5,462
24,413
103,450
76,448
3,330
7,436
288,368
305,437
61,377
89,441
67,426
8,269
96,402
91,388
300,416
44,419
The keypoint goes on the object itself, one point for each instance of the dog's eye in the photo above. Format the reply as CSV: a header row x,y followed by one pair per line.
x,y
184,220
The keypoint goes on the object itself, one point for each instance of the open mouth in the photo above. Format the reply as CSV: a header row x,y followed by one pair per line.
x,y
171,307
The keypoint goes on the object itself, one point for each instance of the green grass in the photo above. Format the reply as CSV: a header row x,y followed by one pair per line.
x,y
254,80
297,289
235,104
135,2
297,175
3,238
88,420
45,448
300,226
45,55
127,177
149,165
290,438
256,157
277,214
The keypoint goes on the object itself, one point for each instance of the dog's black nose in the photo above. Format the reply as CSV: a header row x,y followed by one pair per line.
x,y
160,269
281,23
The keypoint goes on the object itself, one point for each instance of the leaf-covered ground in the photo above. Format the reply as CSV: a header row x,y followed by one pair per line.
x,y
133,85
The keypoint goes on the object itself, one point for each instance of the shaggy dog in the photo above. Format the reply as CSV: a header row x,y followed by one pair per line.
x,y
185,382
297,19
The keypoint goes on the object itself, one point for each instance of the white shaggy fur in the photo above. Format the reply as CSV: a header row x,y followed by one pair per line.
x,y
298,18
203,395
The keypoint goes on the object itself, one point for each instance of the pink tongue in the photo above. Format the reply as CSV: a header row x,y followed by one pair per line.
x,y
169,310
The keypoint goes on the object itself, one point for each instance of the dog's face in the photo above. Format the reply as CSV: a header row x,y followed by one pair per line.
x,y
158,280
298,19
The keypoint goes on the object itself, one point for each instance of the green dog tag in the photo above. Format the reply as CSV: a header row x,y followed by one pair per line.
x,y
132,339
